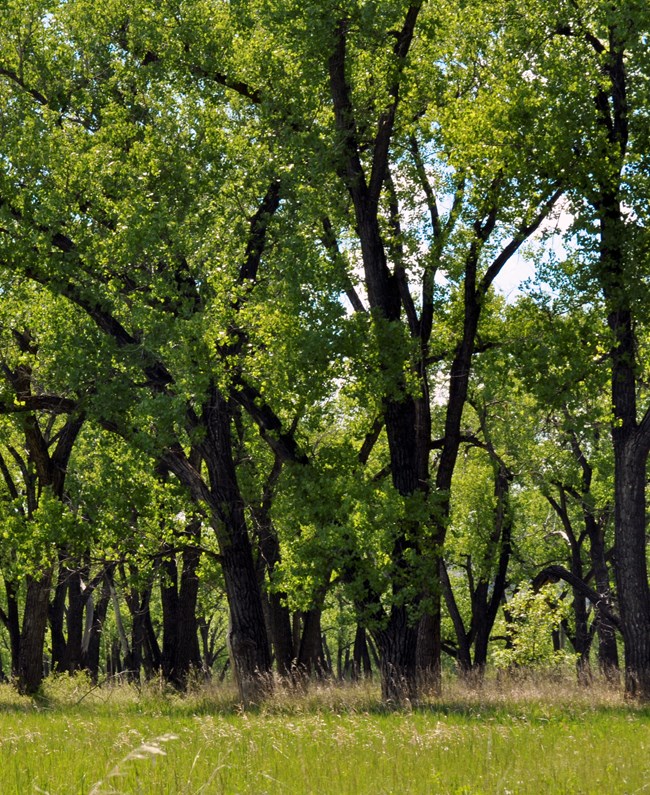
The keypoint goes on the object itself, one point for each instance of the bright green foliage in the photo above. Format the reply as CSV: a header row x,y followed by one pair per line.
x,y
141,144
531,618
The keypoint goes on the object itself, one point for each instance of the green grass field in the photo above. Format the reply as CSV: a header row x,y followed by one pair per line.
x,y
514,738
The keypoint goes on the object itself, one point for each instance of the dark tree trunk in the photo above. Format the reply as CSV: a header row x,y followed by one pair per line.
x,y
74,621
361,654
311,655
631,438
13,626
188,657
139,655
464,649
397,649
278,616
169,602
56,615
181,653
607,646
32,638
429,648
281,634
631,568
248,639
96,616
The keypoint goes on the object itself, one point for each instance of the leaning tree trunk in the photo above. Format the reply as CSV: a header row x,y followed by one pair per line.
x,y
248,639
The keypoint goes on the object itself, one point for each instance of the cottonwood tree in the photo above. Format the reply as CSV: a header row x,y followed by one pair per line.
x,y
571,461
163,253
603,117
397,86
42,533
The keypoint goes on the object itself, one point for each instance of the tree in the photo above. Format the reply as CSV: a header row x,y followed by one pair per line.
x,y
34,466
162,254
571,462
603,116
391,140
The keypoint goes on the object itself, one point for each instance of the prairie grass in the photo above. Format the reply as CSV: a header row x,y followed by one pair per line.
x,y
529,735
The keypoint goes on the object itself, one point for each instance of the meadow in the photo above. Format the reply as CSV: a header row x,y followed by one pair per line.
x,y
520,736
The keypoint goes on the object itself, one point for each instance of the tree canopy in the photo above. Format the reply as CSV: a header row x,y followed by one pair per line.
x,y
252,334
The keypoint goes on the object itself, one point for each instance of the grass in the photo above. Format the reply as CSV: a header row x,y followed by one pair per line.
x,y
514,737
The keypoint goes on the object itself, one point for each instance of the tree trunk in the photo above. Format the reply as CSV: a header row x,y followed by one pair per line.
x,y
428,651
56,615
91,644
248,639
278,616
397,649
281,634
311,655
607,646
169,602
631,567
188,657
32,638
74,621
361,654
13,626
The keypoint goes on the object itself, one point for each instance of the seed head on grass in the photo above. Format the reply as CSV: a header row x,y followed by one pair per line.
x,y
146,750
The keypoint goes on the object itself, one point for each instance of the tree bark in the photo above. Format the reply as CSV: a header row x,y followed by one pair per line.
x,y
32,638
13,626
631,568
397,645
427,654
361,655
91,644
311,655
247,636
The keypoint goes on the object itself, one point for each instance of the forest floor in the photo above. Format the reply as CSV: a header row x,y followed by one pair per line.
x,y
520,736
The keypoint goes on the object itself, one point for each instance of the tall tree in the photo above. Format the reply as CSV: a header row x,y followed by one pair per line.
x,y
604,121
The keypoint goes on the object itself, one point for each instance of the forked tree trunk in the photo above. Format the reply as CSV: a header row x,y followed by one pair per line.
x,y
180,651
